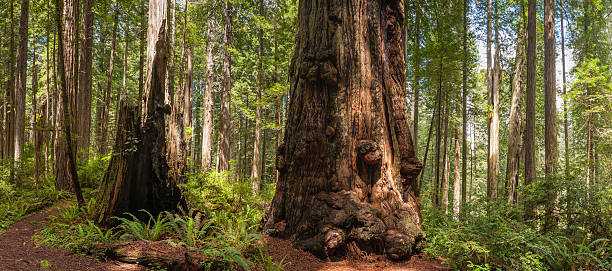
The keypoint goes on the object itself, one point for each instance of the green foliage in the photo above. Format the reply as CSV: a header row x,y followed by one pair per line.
x,y
135,229
91,172
493,237
72,230
190,229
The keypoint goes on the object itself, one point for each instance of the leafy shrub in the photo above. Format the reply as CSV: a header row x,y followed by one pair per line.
x,y
91,172
489,237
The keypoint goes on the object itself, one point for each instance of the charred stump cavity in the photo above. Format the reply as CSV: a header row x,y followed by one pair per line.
x,y
347,163
141,173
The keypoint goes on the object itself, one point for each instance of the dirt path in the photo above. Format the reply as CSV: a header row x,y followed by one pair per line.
x,y
298,260
17,251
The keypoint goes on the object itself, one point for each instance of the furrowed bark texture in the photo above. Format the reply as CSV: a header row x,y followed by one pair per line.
x,y
551,156
347,166
20,81
138,176
70,53
225,122
85,80
514,137
208,110
529,144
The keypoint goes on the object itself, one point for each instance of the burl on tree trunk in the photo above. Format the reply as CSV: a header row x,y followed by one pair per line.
x,y
347,165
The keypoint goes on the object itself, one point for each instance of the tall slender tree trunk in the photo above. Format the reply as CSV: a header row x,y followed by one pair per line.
x,y
111,66
348,134
224,119
464,106
279,103
565,118
207,103
67,164
550,115
436,186
68,68
101,100
493,151
457,180
445,158
431,124
255,173
141,55
121,93
515,125
20,82
9,109
84,93
35,136
529,144
415,80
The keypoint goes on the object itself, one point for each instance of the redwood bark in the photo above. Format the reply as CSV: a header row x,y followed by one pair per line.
x,y
255,170
529,144
464,106
347,166
67,103
515,123
225,123
457,170
550,115
493,114
83,118
20,82
65,70
207,109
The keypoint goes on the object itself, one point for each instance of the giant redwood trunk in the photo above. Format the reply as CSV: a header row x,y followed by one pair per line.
x,y
347,164
138,176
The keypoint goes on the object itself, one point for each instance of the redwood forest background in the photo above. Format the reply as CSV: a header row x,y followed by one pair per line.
x,y
177,113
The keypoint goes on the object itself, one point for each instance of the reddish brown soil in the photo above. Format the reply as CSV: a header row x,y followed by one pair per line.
x,y
17,251
298,260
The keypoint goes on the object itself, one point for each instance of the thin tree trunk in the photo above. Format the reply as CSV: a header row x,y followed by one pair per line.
x,y
255,173
515,125
9,113
436,189
565,118
20,83
35,137
105,115
464,106
122,92
493,151
529,144
207,110
101,100
84,92
457,180
415,80
69,10
141,56
550,116
445,158
431,124
224,119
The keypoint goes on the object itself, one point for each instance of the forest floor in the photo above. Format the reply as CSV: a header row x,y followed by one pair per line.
x,y
299,260
18,252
